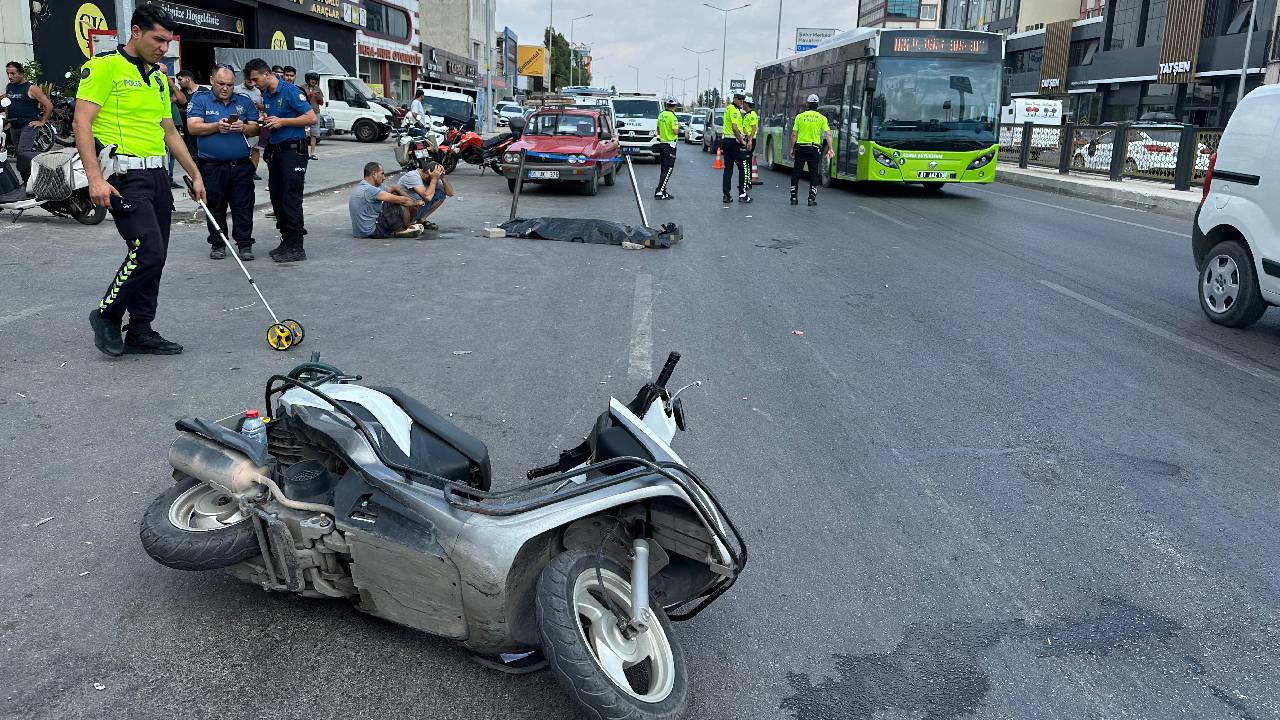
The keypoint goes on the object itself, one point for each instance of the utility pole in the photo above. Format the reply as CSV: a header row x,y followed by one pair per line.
x,y
573,49
724,42
777,46
697,86
489,104
684,91
1248,46
633,67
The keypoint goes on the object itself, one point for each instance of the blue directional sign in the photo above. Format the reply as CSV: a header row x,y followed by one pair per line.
x,y
802,48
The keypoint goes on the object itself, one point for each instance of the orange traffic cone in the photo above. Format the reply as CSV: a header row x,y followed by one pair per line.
x,y
755,171
718,164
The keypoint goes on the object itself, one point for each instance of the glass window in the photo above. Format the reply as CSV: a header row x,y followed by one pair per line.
x,y
1124,29
809,79
928,12
1202,103
1159,100
903,8
1240,18
1082,52
1155,22
386,21
938,104
647,109
828,74
556,124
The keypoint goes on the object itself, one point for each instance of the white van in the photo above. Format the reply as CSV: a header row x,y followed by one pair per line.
x,y
350,102
637,115
1236,236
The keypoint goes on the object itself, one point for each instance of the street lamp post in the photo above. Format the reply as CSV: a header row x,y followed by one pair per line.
x,y
777,45
633,67
697,86
684,90
573,50
1248,45
724,41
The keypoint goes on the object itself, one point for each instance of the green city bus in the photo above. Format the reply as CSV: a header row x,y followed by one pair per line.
x,y
920,106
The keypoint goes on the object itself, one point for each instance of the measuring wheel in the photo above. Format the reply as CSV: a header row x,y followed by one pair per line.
x,y
280,337
296,328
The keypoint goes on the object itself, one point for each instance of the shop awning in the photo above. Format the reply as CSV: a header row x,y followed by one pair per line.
x,y
304,60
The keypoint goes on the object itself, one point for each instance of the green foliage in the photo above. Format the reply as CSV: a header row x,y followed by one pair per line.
x,y
562,61
711,98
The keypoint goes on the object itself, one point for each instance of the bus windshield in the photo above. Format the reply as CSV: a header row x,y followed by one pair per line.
x,y
927,103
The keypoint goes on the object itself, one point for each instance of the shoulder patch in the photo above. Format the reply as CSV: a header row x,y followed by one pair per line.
x,y
302,97
84,72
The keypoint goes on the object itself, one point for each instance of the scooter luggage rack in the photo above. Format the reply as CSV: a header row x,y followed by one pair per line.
x,y
482,504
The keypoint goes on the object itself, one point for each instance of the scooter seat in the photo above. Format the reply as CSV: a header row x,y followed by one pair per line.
x,y
442,448
496,140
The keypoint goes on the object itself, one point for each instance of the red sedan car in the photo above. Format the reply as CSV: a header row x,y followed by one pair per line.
x,y
565,145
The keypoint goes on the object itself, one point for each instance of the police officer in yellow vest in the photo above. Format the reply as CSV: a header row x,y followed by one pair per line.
x,y
750,127
808,133
123,126
668,134
733,146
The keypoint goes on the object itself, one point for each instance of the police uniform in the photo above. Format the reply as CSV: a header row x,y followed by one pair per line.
x,y
224,163
750,122
734,155
286,157
668,134
133,97
809,128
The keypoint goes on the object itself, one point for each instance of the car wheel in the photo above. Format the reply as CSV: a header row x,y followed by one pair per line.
x,y
1229,292
1077,162
1130,166
592,186
366,131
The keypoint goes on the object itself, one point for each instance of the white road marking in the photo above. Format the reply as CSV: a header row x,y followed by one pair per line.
x,y
20,314
642,329
1161,332
1082,212
890,218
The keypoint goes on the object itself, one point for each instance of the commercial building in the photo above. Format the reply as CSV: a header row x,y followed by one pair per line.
x,y
899,13
1176,60
389,47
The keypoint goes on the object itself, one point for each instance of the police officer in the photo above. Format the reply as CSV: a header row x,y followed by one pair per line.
x,y
668,133
220,120
122,127
808,133
286,117
750,124
733,144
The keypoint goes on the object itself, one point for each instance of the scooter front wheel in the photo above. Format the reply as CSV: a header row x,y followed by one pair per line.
x,y
610,675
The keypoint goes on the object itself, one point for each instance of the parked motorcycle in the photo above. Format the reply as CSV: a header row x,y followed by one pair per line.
x,y
475,150
416,140
55,181
364,493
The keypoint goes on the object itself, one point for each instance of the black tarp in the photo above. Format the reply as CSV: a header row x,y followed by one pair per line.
x,y
587,230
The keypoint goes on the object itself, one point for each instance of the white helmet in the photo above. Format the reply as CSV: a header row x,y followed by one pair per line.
x,y
813,98
750,100
671,100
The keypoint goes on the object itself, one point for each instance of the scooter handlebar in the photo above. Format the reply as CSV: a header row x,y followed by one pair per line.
x,y
668,369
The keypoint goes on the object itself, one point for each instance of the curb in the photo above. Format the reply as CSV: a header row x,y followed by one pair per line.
x,y
1120,195
199,219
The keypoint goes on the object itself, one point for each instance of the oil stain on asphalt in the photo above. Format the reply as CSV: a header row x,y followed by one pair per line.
x,y
936,671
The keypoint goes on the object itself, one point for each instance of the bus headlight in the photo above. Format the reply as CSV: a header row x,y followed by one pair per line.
x,y
981,161
884,159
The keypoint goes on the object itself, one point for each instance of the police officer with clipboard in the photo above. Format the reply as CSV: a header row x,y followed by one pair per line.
x,y
284,122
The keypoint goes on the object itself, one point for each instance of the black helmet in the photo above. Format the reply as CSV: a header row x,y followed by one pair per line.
x,y
313,76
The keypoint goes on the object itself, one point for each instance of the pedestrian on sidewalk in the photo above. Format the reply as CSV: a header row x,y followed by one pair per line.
x,y
315,96
808,134
429,183
123,106
378,211
222,121
29,108
287,115
733,144
668,134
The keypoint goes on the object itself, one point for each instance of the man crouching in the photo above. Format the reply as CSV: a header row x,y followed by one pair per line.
x,y
380,212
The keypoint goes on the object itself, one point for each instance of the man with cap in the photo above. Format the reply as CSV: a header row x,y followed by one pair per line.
x,y
808,133
750,125
668,132
733,146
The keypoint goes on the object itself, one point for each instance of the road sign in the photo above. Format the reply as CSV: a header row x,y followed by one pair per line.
x,y
809,38
737,86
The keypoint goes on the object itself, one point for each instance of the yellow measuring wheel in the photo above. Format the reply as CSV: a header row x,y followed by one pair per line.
x,y
280,337
296,328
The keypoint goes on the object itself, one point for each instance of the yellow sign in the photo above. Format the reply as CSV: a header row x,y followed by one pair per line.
x,y
377,89
278,42
531,61
88,17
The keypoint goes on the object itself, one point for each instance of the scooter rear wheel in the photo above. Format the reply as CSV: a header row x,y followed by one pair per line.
x,y
613,677
192,526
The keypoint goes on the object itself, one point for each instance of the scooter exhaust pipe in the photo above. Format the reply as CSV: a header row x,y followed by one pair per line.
x,y
215,464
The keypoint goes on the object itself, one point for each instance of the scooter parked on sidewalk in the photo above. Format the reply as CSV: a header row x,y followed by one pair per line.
x,y
364,493
54,181
416,140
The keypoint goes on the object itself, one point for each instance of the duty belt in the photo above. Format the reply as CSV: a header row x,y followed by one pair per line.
x,y
125,163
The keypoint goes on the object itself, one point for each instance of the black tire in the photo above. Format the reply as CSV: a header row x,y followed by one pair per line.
x,y
183,549
450,163
89,214
511,186
365,131
1248,305
611,177
592,186
44,140
572,661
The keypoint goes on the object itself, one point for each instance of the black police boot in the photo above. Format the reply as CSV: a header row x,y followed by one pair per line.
x,y
727,199
813,197
245,253
217,252
794,199
106,334
664,195
142,340
744,198
290,253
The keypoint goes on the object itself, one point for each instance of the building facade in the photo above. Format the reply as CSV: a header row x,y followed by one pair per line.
x,y
899,13
990,15
1167,60
389,47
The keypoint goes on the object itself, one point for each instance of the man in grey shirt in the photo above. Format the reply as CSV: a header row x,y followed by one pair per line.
x,y
428,183
377,212
250,90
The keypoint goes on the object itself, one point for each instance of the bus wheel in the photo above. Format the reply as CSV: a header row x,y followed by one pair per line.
x,y
933,186
768,153
824,174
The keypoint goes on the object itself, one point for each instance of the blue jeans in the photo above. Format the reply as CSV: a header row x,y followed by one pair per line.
x,y
427,208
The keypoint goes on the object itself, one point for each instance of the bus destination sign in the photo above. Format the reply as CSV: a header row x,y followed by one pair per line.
x,y
940,45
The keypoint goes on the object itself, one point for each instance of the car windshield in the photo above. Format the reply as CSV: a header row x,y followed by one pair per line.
x,y
936,104
447,106
647,109
556,124
683,117
718,118
362,89
698,120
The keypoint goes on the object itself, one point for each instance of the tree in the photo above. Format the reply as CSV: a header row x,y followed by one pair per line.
x,y
710,98
562,62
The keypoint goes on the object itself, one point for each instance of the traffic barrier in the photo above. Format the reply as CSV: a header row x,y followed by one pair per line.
x,y
755,171
719,163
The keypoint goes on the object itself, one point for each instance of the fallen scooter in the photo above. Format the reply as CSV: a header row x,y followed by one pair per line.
x,y
364,493
55,181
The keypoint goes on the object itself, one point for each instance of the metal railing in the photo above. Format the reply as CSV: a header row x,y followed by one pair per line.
x,y
1161,153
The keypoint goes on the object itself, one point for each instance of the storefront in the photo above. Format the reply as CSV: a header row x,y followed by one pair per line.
x,y
388,47
216,23
1154,60
60,34
507,53
325,25
444,70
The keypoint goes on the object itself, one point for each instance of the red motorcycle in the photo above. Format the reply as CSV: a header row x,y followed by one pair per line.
x,y
474,150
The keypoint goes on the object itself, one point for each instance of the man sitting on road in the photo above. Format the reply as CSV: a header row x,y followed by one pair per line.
x,y
379,212
427,182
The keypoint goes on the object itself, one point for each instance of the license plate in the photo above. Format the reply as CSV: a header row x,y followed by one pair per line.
x,y
420,153
630,150
544,174
932,175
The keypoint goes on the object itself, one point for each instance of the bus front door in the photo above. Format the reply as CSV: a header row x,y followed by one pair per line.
x,y
847,160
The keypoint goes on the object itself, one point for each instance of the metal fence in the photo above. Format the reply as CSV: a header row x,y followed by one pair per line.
x,y
1177,154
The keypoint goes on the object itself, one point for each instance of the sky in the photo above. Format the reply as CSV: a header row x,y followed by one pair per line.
x,y
652,35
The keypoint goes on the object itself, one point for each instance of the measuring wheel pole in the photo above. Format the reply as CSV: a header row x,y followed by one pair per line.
x,y
644,219
234,253
515,198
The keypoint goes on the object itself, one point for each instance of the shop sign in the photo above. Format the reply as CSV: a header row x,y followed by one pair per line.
x,y
1053,62
88,17
207,19
1175,68
531,61
1181,43
381,53
342,12
301,43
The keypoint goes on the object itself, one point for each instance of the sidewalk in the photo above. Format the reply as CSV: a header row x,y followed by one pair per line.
x,y
341,162
1140,194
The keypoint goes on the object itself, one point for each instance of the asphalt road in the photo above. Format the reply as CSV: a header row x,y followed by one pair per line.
x,y
990,459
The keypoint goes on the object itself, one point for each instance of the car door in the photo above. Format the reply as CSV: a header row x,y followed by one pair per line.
x,y
337,104
850,126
